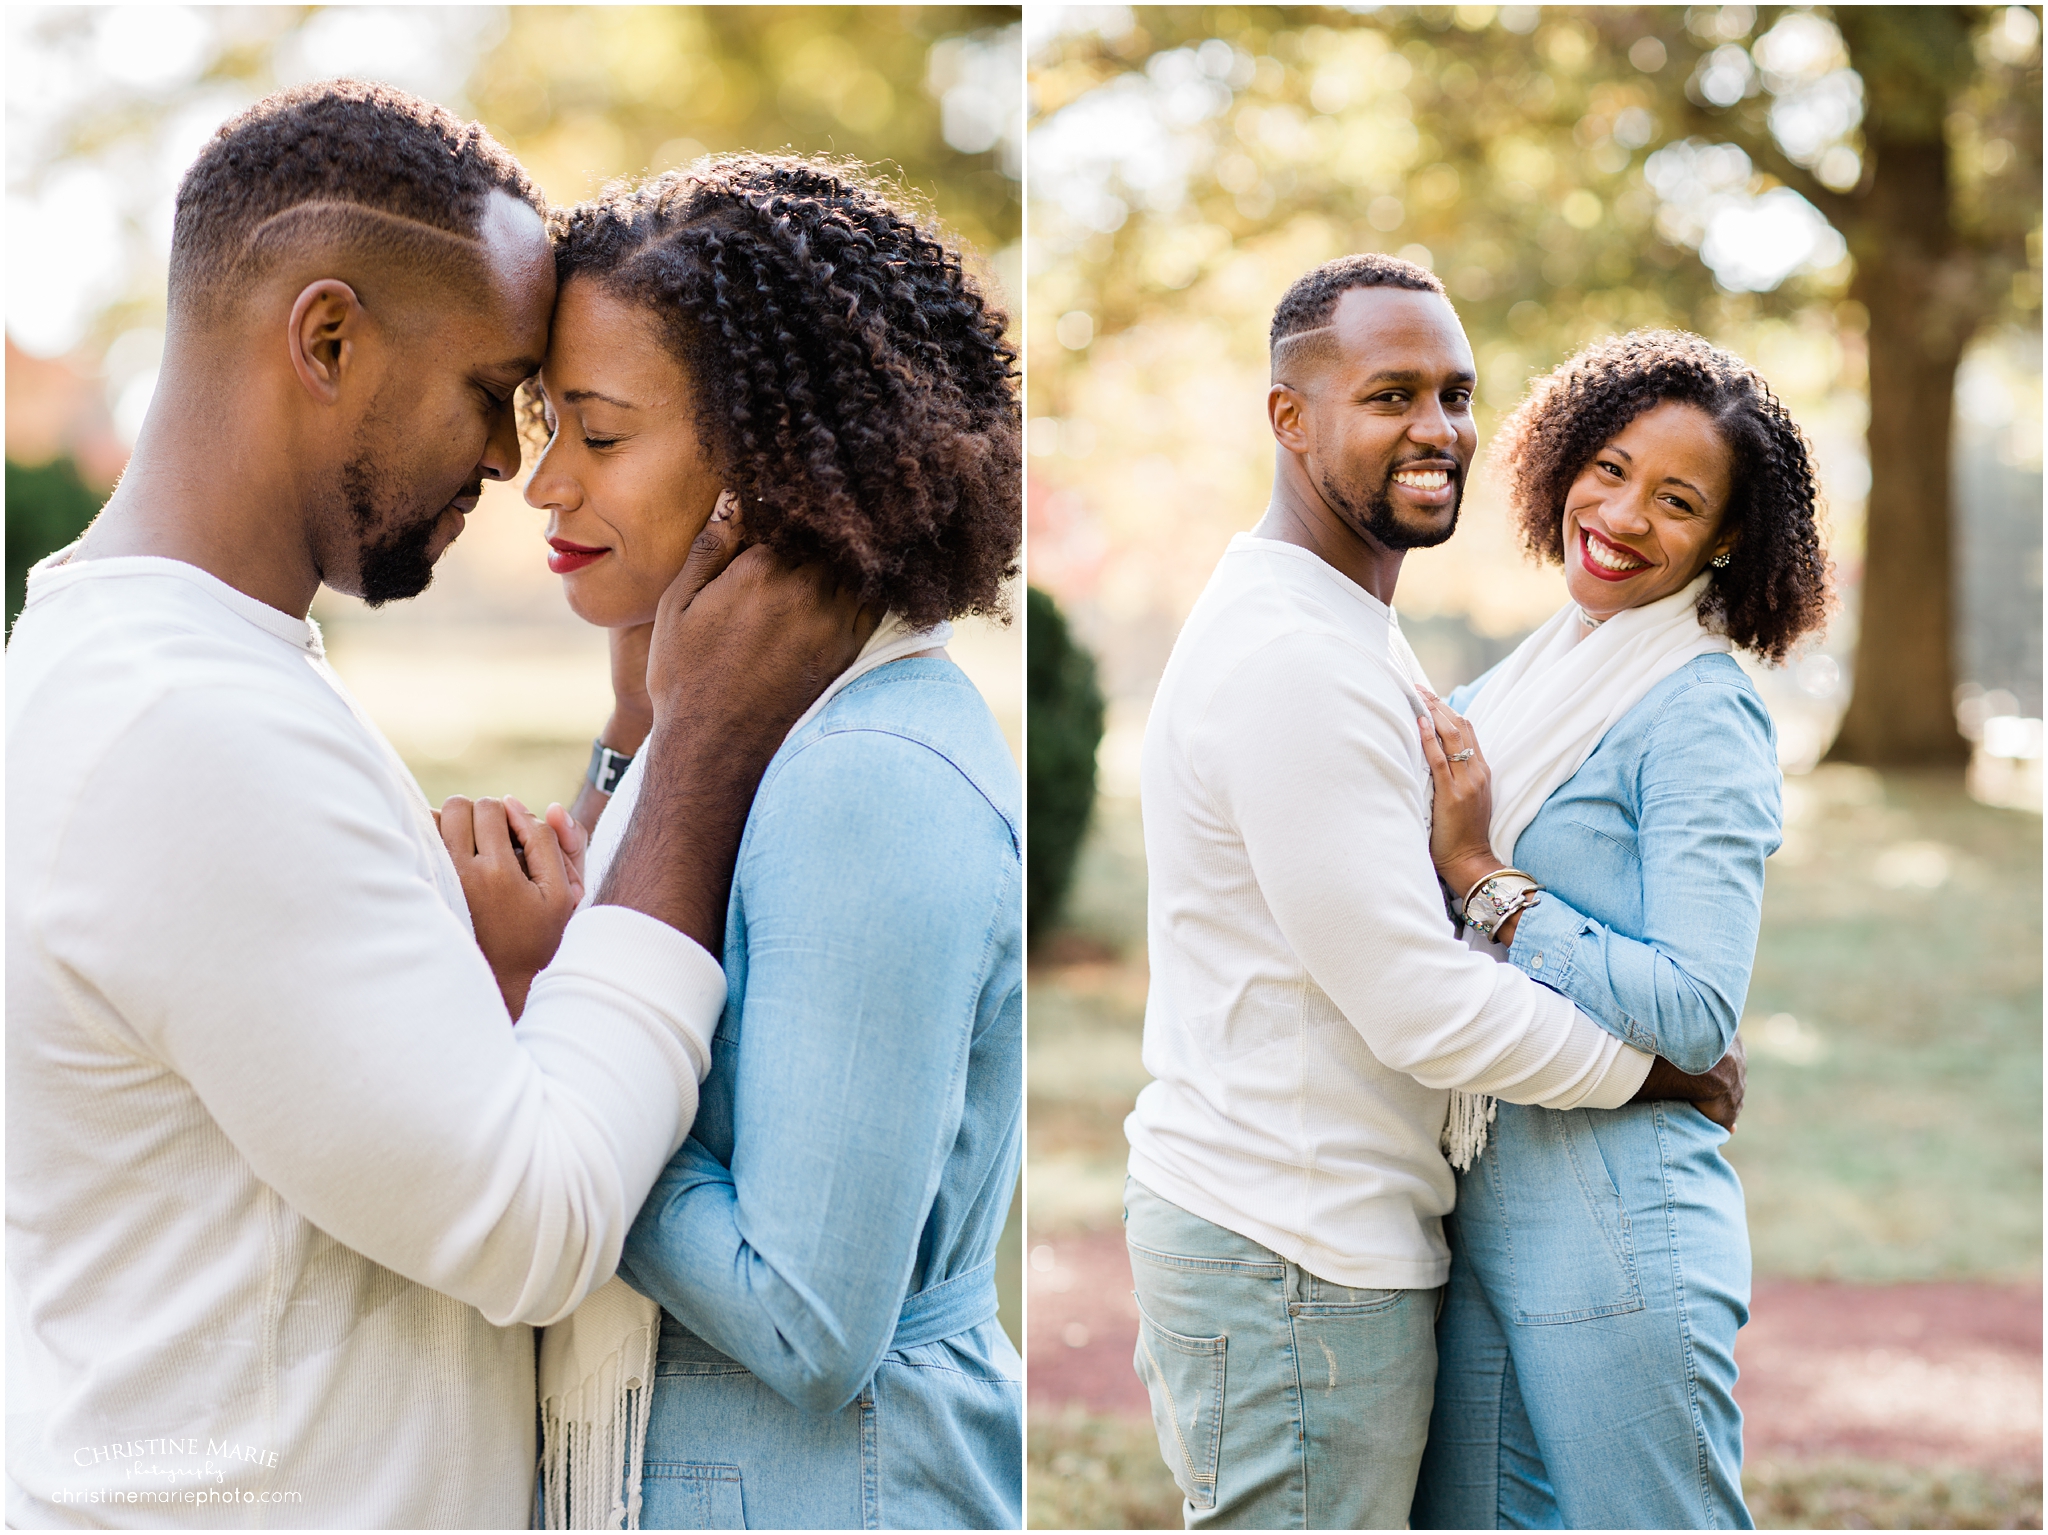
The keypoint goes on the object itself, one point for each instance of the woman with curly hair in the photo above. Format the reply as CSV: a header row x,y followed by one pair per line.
x,y
764,349
1586,1351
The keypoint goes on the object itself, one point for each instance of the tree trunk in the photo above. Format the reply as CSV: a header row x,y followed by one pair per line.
x,y
1921,301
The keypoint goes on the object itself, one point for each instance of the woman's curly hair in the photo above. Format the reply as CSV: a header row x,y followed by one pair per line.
x,y
1775,586
853,384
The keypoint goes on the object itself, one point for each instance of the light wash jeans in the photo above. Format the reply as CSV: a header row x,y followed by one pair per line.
x,y
1282,1401
1599,1271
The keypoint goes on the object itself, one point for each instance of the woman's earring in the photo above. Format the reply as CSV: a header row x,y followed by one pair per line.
x,y
726,506
1719,561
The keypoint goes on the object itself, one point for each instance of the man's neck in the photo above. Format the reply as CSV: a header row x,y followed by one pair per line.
x,y
200,490
1299,515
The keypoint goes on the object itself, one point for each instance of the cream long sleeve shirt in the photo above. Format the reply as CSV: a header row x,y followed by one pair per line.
x,y
284,1185
1309,1004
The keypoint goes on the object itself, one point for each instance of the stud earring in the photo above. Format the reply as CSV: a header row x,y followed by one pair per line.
x,y
1719,562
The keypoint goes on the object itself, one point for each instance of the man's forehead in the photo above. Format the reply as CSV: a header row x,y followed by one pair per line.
x,y
514,242
516,293
1399,329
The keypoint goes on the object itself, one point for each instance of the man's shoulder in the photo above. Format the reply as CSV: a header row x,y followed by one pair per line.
x,y
1264,591
91,662
1268,638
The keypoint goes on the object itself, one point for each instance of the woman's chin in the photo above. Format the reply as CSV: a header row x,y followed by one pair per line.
x,y
598,602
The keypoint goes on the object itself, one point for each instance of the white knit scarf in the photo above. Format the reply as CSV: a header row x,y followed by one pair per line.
x,y
1538,719
596,1371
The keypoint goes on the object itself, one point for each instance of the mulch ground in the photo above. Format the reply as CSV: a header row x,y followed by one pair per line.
x,y
1920,1374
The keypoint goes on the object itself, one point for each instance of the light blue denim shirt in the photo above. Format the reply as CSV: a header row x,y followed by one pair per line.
x,y
823,1244
1652,856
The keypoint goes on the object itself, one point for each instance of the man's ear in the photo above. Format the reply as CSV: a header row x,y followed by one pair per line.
x,y
326,325
1287,411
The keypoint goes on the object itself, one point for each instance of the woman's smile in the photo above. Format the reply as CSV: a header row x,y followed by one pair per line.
x,y
1606,559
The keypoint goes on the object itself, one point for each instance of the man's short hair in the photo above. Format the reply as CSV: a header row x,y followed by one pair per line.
x,y
340,159
1308,305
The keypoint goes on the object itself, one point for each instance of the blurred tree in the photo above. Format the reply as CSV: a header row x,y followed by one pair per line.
x,y
1574,171
48,505
589,92
1064,708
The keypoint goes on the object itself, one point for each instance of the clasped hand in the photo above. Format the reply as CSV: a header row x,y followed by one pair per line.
x,y
522,876
1461,818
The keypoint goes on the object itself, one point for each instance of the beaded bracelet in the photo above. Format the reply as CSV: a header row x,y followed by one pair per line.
x,y
1497,897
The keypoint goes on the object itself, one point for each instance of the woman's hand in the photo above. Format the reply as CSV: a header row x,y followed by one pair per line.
x,y
1460,828
520,884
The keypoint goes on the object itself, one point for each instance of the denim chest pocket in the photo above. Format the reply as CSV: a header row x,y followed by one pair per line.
x,y
1570,1248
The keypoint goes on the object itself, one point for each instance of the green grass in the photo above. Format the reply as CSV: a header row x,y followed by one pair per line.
x,y
1860,1495
1104,1473
1911,1147
1096,1472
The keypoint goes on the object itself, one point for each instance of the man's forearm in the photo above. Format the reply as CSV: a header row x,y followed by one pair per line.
x,y
1716,1092
676,859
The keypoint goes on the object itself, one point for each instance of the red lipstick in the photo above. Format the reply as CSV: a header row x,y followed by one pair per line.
x,y
1594,567
567,556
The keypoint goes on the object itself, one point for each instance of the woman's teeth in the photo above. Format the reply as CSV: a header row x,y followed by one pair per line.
x,y
1607,557
1422,479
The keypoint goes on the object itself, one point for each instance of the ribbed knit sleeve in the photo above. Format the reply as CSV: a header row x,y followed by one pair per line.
x,y
235,896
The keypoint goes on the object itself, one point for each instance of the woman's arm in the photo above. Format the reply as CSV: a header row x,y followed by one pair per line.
x,y
1707,817
879,888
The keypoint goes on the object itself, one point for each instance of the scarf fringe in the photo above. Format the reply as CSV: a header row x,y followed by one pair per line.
x,y
1464,1136
594,1444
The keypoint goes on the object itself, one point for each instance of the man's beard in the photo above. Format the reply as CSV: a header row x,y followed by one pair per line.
x,y
392,539
1378,517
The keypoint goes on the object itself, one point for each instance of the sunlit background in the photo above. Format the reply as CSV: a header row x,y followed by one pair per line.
x,y
1572,172
1180,181
487,683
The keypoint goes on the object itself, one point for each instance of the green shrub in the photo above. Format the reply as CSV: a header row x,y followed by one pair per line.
x,y
1064,726
47,506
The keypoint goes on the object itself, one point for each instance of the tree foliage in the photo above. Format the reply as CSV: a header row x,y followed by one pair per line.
x,y
1065,713
48,505
592,92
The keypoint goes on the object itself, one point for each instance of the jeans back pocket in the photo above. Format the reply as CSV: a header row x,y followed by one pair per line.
x,y
1184,1378
690,1495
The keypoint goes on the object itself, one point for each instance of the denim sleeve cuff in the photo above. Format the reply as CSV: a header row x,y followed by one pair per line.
x,y
1544,940
1548,945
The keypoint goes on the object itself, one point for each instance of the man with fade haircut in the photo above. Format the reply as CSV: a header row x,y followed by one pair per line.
x,y
1310,1003
284,1186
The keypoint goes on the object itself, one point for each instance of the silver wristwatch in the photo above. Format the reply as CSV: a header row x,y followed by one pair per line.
x,y
607,767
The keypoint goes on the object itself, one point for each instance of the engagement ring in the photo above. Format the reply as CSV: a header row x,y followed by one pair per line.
x,y
1463,756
